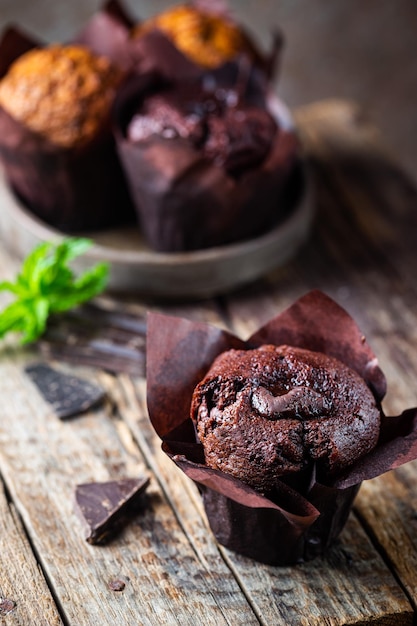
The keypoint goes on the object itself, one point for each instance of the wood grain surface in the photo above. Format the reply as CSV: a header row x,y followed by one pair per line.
x,y
362,252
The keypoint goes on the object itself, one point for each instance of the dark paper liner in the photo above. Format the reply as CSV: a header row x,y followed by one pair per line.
x,y
186,202
302,518
107,34
76,189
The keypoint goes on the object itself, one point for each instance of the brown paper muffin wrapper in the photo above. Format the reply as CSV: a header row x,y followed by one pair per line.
x,y
186,202
306,514
74,190
107,34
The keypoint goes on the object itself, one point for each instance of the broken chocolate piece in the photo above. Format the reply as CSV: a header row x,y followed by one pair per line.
x,y
67,394
105,507
299,401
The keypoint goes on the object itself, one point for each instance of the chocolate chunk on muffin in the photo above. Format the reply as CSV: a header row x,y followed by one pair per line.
x,y
267,413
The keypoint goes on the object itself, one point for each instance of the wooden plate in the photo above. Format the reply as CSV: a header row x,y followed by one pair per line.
x,y
134,267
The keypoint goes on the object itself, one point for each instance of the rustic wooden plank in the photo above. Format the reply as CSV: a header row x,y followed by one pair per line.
x,y
41,459
349,586
24,594
387,506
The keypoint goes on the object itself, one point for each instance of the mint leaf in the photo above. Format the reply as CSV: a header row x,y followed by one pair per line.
x,y
46,284
35,323
12,318
82,289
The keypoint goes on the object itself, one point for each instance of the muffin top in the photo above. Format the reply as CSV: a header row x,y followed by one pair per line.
x,y
269,412
63,93
206,38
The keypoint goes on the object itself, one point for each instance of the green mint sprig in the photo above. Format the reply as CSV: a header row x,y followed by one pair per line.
x,y
46,285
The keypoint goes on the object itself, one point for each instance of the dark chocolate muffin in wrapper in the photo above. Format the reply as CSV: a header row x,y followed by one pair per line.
x,y
277,431
208,161
56,144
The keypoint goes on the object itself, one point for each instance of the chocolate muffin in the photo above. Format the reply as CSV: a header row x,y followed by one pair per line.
x,y
207,162
270,412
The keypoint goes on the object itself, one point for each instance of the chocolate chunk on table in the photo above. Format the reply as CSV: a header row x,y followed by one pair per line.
x,y
105,507
67,394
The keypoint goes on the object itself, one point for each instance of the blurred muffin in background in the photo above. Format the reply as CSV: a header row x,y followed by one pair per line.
x,y
208,161
55,136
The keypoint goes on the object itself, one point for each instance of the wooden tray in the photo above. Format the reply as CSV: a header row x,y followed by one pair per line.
x,y
135,267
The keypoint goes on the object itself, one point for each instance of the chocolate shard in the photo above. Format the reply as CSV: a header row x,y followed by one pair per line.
x,y
106,507
67,394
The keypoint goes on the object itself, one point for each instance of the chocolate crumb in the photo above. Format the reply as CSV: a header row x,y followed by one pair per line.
x,y
117,585
6,606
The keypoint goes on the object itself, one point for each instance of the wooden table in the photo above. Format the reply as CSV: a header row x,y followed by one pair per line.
x,y
362,252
